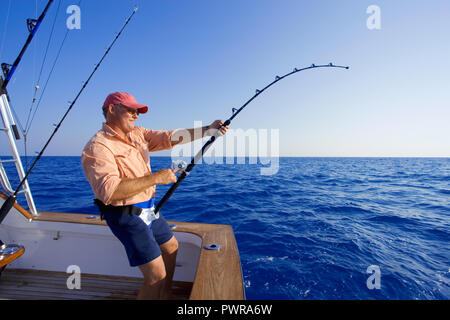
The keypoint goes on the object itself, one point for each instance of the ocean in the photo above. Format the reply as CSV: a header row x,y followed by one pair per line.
x,y
320,228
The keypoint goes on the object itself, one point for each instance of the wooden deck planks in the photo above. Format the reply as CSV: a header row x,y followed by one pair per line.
x,y
46,285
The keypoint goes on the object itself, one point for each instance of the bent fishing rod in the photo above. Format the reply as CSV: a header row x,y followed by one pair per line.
x,y
8,204
33,26
207,145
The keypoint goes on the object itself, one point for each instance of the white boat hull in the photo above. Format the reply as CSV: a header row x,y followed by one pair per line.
x,y
55,246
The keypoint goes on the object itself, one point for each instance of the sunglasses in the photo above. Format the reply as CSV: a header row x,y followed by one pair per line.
x,y
129,110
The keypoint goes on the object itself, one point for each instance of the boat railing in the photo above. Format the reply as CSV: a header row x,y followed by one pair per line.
x,y
12,134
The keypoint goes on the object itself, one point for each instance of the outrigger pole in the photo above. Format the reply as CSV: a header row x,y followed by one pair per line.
x,y
8,204
33,26
208,144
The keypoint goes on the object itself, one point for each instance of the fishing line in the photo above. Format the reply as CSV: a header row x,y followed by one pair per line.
x,y
185,171
36,87
8,204
43,63
28,124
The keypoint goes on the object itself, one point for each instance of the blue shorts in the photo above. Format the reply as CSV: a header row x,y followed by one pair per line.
x,y
141,242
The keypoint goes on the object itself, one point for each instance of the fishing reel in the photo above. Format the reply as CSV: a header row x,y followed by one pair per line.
x,y
178,166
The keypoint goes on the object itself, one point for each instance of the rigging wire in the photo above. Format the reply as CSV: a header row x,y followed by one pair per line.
x,y
43,63
27,128
29,123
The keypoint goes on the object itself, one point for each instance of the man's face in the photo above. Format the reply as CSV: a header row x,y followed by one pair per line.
x,y
124,117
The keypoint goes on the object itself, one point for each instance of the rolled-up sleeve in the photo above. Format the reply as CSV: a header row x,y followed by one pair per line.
x,y
158,139
101,171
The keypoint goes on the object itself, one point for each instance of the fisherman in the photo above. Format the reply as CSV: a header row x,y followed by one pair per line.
x,y
116,164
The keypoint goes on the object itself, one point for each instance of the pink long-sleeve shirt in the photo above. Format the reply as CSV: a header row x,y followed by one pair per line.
x,y
107,159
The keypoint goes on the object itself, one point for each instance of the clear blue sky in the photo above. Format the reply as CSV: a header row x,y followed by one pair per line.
x,y
195,60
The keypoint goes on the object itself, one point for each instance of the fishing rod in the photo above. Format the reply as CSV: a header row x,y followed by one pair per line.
x,y
8,204
33,26
185,170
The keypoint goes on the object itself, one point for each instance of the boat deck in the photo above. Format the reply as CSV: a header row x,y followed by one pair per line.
x,y
218,275
47,285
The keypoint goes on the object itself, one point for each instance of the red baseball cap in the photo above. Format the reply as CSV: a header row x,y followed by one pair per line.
x,y
125,99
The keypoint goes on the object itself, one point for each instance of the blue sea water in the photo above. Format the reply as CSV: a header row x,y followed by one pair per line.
x,y
310,231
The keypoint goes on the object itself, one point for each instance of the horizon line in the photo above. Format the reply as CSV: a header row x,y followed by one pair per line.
x,y
158,156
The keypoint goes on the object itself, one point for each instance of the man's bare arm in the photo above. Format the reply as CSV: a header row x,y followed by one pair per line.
x,y
128,188
183,136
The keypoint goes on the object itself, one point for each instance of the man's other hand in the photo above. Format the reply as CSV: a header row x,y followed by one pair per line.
x,y
165,176
212,128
